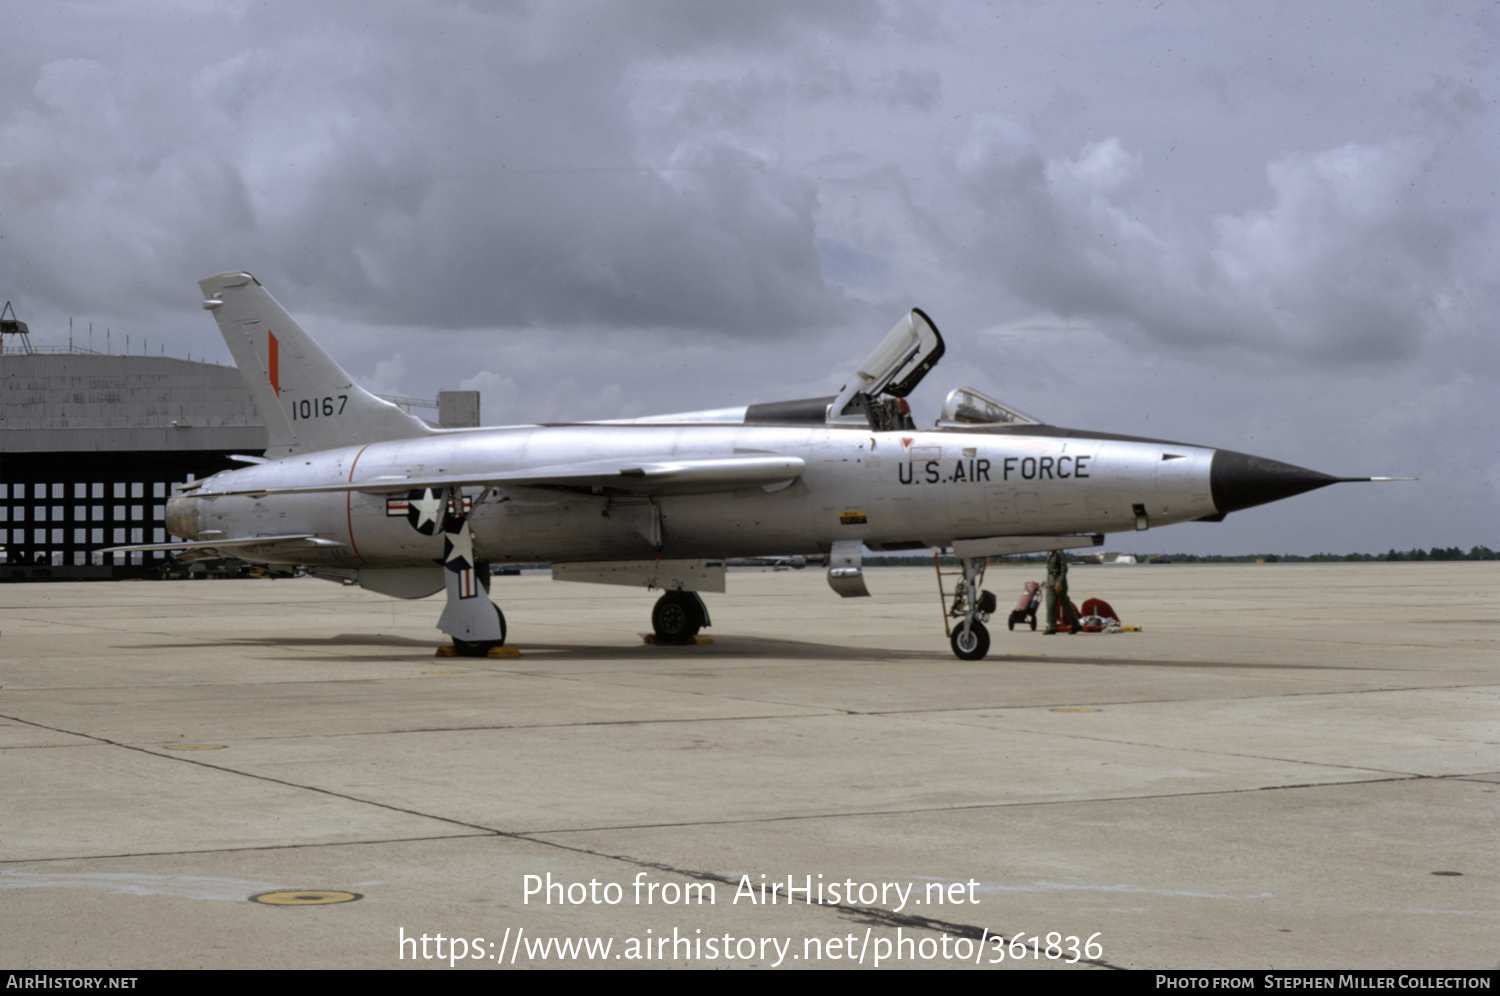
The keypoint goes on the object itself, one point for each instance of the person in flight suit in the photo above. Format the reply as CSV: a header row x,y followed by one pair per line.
x,y
1057,587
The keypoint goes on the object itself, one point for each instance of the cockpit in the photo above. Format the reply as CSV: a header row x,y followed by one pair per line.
x,y
876,394
966,406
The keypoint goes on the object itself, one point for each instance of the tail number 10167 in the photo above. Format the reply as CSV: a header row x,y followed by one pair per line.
x,y
326,407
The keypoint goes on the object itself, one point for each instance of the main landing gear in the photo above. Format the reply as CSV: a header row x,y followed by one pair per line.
x,y
474,622
678,616
481,648
971,607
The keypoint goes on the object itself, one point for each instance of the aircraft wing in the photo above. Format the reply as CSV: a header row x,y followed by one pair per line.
x,y
662,476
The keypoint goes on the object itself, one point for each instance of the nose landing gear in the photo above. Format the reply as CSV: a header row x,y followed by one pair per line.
x,y
971,607
972,643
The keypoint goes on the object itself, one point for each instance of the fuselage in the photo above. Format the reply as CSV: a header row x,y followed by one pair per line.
x,y
891,490
359,491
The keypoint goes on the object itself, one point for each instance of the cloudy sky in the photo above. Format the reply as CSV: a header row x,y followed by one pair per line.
x,y
1266,227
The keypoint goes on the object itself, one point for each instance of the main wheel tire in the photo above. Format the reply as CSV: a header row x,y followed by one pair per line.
x,y
676,617
973,644
479,648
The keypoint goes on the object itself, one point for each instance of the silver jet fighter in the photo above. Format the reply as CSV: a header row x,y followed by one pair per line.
x,y
353,488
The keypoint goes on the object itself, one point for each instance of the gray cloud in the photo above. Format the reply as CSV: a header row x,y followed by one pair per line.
x,y
1223,223
494,179
1348,262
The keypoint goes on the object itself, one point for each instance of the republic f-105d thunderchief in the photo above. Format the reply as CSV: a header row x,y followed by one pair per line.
x,y
355,489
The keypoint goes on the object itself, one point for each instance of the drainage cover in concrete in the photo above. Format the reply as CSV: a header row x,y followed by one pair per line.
x,y
307,897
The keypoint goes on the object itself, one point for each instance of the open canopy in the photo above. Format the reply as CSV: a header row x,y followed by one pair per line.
x,y
899,363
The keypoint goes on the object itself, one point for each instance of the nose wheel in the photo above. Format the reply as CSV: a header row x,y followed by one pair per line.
x,y
678,616
969,609
971,643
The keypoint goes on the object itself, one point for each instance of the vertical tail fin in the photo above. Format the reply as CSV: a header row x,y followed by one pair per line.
x,y
306,399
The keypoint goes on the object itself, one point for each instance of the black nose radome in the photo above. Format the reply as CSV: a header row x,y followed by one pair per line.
x,y
1239,480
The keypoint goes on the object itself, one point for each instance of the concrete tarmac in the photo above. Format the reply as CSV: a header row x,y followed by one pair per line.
x,y
1292,766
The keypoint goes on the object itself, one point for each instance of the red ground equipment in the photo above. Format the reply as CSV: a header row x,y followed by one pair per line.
x,y
1026,605
1097,616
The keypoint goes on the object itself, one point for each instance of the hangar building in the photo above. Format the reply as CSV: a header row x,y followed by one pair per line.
x,y
91,446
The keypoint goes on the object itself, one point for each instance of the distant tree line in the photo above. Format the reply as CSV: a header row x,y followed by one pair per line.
x,y
1436,553
1418,554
